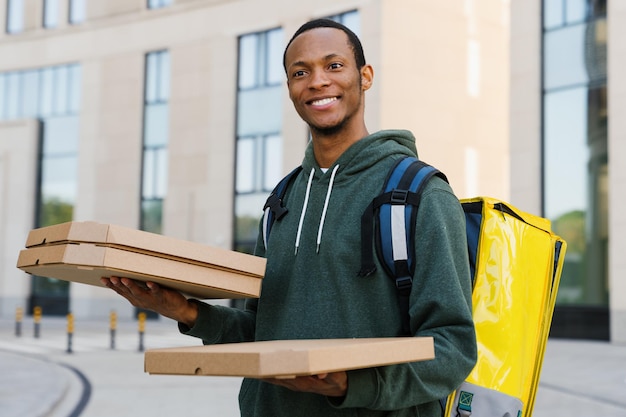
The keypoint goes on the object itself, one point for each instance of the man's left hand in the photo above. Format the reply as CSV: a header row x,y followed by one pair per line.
x,y
333,384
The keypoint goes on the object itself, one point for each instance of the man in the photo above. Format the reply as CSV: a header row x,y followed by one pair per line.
x,y
311,287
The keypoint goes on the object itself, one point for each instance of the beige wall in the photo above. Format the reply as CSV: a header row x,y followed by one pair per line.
x,y
617,168
525,105
18,176
447,81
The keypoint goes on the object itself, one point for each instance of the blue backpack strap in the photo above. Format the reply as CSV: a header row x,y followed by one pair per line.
x,y
274,208
395,212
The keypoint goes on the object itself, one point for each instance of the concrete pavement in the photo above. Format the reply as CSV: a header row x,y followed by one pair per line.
x,y
39,378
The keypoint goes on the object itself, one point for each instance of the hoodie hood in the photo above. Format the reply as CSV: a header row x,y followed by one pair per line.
x,y
358,158
365,153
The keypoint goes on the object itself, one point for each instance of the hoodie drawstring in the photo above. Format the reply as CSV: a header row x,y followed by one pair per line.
x,y
305,205
330,188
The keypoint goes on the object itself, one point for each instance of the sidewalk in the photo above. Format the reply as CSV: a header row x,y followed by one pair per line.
x,y
40,378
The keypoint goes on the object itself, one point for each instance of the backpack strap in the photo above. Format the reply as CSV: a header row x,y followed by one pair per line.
x,y
395,212
274,208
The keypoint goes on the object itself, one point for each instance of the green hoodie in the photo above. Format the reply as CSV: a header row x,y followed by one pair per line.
x,y
312,290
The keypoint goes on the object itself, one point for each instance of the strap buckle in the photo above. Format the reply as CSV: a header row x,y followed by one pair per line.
x,y
399,196
275,205
404,283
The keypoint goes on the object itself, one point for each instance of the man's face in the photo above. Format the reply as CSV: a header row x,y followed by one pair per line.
x,y
324,83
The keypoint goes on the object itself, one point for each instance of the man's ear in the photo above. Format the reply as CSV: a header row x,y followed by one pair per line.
x,y
367,76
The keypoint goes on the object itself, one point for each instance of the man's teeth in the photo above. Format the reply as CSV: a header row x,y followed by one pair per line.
x,y
324,101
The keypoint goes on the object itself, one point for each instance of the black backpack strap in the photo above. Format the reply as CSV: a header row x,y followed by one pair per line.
x,y
393,214
274,208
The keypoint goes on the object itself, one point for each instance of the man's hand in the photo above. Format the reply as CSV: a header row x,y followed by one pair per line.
x,y
151,296
333,384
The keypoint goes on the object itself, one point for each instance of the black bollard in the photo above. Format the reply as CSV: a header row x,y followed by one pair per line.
x,y
18,321
142,327
70,331
37,321
113,327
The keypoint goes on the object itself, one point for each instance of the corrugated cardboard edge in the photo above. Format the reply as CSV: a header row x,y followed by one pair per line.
x,y
145,242
87,263
287,358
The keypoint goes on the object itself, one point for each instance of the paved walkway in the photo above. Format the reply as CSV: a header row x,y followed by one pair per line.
x,y
39,378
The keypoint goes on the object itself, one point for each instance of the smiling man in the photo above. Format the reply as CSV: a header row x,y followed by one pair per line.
x,y
311,288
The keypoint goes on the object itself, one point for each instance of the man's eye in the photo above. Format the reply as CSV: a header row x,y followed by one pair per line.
x,y
335,65
298,74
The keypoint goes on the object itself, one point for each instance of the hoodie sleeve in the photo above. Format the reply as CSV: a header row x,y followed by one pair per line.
x,y
221,324
440,306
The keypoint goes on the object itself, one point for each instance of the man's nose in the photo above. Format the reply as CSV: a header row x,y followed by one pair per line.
x,y
319,79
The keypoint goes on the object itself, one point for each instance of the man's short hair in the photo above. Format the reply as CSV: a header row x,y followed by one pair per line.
x,y
354,41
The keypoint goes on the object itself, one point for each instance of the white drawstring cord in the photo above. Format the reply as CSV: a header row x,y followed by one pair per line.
x,y
304,207
323,218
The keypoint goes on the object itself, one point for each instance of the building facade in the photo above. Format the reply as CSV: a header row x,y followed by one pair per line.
x,y
172,116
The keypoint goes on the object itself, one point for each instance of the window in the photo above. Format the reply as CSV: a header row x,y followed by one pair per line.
x,y
259,123
50,13
15,16
575,122
40,93
77,11
156,4
155,140
349,19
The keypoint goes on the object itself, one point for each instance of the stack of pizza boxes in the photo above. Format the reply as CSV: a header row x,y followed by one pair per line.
x,y
83,252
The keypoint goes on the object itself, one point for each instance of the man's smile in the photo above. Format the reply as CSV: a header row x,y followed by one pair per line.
x,y
322,101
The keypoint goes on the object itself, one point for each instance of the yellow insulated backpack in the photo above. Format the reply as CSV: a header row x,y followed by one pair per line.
x,y
516,265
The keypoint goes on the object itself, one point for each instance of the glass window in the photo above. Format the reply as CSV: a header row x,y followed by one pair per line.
x,y
275,71
155,173
155,4
248,51
51,13
157,77
75,79
553,13
58,169
564,57
13,95
598,8
30,96
350,19
77,11
15,16
61,99
245,165
46,104
156,125
3,96
575,126
155,140
273,161
576,11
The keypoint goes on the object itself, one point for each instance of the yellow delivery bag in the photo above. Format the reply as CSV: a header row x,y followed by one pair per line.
x,y
516,264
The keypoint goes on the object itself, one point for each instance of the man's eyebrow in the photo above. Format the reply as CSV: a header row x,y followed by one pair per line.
x,y
304,63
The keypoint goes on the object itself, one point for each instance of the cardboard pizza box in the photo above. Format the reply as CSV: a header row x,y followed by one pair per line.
x,y
86,263
145,242
287,358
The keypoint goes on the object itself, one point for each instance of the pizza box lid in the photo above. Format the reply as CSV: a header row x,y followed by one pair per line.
x,y
287,358
86,263
145,242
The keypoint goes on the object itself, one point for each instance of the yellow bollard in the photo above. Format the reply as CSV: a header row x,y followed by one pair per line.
x,y
70,331
113,327
19,315
142,327
37,321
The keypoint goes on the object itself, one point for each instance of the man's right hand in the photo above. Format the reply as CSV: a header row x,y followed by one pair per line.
x,y
151,296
